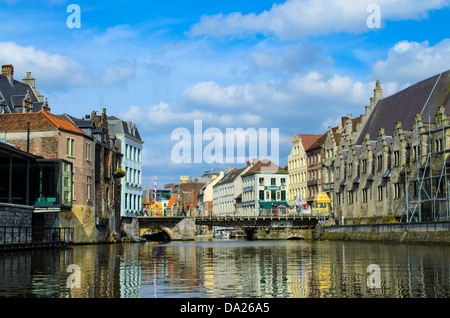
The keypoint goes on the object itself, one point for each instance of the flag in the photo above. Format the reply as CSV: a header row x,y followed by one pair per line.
x,y
297,202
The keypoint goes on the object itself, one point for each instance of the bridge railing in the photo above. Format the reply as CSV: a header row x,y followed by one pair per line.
x,y
263,213
271,212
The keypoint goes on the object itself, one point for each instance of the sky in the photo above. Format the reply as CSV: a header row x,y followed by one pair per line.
x,y
289,67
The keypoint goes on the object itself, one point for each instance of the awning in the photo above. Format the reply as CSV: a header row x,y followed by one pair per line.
x,y
322,197
272,204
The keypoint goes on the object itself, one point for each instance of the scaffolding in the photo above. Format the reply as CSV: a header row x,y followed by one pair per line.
x,y
429,183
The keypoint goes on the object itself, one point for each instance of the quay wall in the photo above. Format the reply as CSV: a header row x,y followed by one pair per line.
x,y
432,232
281,234
15,215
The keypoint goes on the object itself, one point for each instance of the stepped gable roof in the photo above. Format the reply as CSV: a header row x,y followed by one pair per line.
x,y
38,121
308,139
422,98
336,135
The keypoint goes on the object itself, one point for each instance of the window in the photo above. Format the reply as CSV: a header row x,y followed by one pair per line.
x,y
70,147
261,181
364,195
397,190
380,193
273,181
89,184
364,166
438,145
283,181
396,158
283,195
379,162
350,197
88,151
261,195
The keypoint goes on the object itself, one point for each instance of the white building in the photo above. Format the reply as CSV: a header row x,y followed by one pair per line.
x,y
264,186
207,191
228,192
131,148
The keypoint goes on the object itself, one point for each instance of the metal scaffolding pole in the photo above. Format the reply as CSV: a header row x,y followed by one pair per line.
x,y
432,204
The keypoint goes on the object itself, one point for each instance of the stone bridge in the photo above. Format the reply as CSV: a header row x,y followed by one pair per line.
x,y
178,228
281,227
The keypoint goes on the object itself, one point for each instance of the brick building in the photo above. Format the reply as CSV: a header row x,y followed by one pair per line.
x,y
52,137
106,180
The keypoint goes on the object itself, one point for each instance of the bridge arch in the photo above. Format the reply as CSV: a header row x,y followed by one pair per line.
x,y
168,231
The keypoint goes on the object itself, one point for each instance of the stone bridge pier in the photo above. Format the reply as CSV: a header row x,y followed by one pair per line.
x,y
177,228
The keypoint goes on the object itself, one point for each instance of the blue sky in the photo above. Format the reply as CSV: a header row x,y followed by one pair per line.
x,y
296,65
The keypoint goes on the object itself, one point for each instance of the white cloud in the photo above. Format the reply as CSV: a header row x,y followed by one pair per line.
x,y
293,58
117,75
412,61
294,19
163,118
53,70
301,100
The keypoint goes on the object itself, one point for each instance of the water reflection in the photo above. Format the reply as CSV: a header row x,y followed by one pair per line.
x,y
229,269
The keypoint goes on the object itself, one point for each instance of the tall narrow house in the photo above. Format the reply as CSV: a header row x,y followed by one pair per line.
x,y
131,146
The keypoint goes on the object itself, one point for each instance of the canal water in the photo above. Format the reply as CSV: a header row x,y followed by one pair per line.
x,y
229,268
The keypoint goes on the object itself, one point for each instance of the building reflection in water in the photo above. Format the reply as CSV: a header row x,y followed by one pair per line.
x,y
294,269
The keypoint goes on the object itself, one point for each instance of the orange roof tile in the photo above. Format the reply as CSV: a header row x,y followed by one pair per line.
x,y
38,121
308,139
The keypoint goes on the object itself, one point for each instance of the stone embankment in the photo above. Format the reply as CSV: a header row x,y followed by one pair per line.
x,y
431,232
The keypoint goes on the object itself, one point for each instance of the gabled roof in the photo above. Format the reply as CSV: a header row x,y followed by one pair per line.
x,y
38,121
421,98
308,139
318,143
265,166
230,176
14,94
118,126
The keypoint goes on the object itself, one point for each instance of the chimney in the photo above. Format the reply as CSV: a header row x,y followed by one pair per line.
x,y
147,194
29,80
8,71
